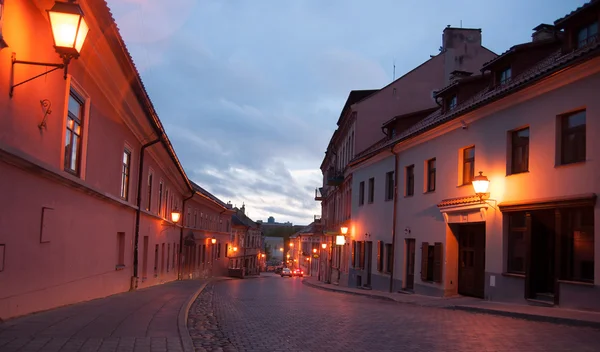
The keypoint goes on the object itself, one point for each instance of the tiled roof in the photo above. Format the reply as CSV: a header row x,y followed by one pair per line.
x,y
554,62
240,218
201,190
518,47
559,21
312,229
462,80
459,201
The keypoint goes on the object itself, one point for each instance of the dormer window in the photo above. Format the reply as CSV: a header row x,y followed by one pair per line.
x,y
587,35
451,103
392,132
505,76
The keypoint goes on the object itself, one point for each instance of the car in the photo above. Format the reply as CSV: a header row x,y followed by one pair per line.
x,y
298,272
286,272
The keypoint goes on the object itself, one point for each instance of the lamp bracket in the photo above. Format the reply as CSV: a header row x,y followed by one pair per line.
x,y
14,61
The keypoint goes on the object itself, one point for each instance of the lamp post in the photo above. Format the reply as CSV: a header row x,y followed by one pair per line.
x,y
69,30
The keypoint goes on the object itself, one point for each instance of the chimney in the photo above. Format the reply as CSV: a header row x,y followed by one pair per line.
x,y
457,37
543,31
243,208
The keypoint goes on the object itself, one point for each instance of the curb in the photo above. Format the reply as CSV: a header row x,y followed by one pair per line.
x,y
530,317
186,339
516,315
383,298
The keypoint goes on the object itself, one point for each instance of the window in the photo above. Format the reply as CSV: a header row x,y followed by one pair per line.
x,y
410,180
468,165
162,259
519,151
125,174
2,256
195,218
168,255
431,262
516,243
145,259
155,260
572,144
451,103
371,190
380,254
577,244
389,185
587,35
149,191
389,257
160,198
361,193
431,175
120,250
73,134
505,76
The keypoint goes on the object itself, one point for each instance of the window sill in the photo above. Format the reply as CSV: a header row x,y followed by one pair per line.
x,y
517,173
464,185
522,276
578,283
409,196
575,163
429,192
389,200
119,267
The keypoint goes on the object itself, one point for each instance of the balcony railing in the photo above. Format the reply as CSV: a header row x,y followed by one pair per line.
x,y
334,177
319,194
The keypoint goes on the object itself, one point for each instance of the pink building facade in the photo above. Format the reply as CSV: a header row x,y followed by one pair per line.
x,y
527,123
88,176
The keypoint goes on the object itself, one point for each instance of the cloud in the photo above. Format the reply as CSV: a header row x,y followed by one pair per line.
x,y
249,91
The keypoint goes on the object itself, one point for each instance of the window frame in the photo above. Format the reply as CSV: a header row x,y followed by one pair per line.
x,y
389,185
126,173
361,193
576,131
511,242
371,195
70,132
431,175
409,184
505,76
516,144
149,190
580,43
468,180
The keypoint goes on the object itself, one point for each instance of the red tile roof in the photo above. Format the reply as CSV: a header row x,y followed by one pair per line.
x,y
459,201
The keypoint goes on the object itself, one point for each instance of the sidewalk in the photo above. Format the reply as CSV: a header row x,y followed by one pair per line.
x,y
145,320
546,314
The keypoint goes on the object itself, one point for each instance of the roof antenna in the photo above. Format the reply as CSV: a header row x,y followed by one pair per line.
x,y
394,70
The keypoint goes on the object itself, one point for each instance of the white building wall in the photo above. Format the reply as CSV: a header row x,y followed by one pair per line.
x,y
532,107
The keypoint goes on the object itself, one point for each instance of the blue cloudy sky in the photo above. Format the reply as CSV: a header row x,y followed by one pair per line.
x,y
249,91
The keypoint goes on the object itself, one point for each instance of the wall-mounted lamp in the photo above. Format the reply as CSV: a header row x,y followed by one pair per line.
x,y
344,230
235,249
314,250
213,240
480,185
340,240
175,216
69,31
324,245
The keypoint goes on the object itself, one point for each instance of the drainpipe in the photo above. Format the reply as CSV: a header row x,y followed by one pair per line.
x,y
181,234
394,217
134,279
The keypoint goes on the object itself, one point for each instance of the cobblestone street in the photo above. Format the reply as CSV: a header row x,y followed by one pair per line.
x,y
282,314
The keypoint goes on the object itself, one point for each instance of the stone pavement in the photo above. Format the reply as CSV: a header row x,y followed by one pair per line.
x,y
283,314
144,320
536,313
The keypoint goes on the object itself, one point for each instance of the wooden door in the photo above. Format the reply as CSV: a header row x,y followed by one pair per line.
x,y
471,260
369,252
410,264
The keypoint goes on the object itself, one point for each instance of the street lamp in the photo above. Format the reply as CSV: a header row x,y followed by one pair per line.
x,y
344,230
480,185
175,215
235,249
324,245
314,250
69,30
213,240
